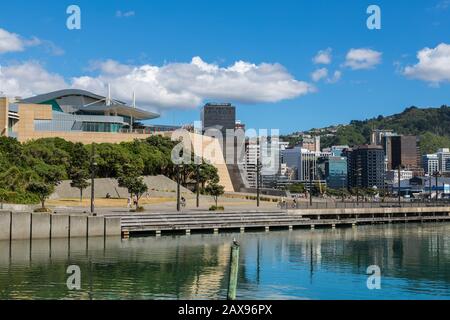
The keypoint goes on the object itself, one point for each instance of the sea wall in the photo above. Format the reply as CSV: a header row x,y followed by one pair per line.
x,y
26,225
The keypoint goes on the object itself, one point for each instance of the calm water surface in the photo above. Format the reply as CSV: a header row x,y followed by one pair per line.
x,y
303,264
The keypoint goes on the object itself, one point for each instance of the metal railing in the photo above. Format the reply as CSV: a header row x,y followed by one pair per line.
x,y
367,205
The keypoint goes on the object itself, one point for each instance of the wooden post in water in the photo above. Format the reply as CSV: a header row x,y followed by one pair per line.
x,y
234,271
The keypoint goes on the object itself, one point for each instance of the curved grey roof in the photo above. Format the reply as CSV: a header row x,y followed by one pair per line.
x,y
96,103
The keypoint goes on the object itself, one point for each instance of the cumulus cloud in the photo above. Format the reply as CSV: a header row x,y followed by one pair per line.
x,y
28,79
323,74
358,59
11,42
182,85
319,74
337,75
323,57
433,65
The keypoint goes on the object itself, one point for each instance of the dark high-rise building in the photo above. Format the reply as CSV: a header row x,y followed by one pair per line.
x,y
402,151
365,165
221,116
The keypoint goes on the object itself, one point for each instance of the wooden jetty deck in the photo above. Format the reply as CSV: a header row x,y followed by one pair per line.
x,y
204,222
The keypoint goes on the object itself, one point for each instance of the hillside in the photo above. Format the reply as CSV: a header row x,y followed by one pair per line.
x,y
431,124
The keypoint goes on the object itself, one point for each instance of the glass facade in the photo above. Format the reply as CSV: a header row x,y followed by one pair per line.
x,y
336,172
100,127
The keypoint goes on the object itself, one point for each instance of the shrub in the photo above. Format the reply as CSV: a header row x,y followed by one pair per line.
x,y
42,210
216,208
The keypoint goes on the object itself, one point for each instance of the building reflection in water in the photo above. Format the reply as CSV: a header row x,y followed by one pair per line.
x,y
299,264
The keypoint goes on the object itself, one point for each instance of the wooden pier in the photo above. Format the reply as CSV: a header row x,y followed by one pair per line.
x,y
207,222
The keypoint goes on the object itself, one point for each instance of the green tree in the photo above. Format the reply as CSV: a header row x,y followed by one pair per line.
x,y
135,186
215,190
41,189
297,188
4,196
80,181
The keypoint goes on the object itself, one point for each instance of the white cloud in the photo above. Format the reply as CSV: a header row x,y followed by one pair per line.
x,y
337,75
11,42
433,65
319,74
182,85
126,14
323,57
358,59
28,79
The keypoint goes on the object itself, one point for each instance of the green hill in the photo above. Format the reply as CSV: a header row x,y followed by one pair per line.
x,y
431,124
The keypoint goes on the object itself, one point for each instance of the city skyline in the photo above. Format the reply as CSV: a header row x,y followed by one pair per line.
x,y
293,66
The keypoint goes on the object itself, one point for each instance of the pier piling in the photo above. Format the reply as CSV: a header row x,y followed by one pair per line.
x,y
234,271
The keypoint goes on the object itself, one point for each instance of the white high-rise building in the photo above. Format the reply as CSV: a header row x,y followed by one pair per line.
x,y
430,163
269,155
444,160
303,161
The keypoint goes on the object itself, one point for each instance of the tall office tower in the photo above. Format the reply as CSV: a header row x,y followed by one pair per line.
x,y
444,160
291,157
335,172
402,150
309,168
430,163
377,136
221,116
365,165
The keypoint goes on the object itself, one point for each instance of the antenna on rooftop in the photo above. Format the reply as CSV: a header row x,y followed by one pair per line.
x,y
108,98
134,106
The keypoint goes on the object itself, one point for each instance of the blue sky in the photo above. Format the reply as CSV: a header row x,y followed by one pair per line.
x,y
154,43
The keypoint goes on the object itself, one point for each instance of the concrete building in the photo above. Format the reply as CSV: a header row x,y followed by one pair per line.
x,y
402,151
444,160
220,116
334,171
430,163
377,136
365,166
311,143
269,156
75,115
81,116
392,176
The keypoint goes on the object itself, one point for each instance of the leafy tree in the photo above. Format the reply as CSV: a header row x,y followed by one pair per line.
x,y
42,189
80,181
215,190
135,186
4,196
297,188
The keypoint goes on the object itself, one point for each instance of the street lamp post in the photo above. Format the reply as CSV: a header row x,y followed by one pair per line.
x,y
198,185
399,185
258,187
178,189
310,186
358,183
429,183
258,173
436,175
93,165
